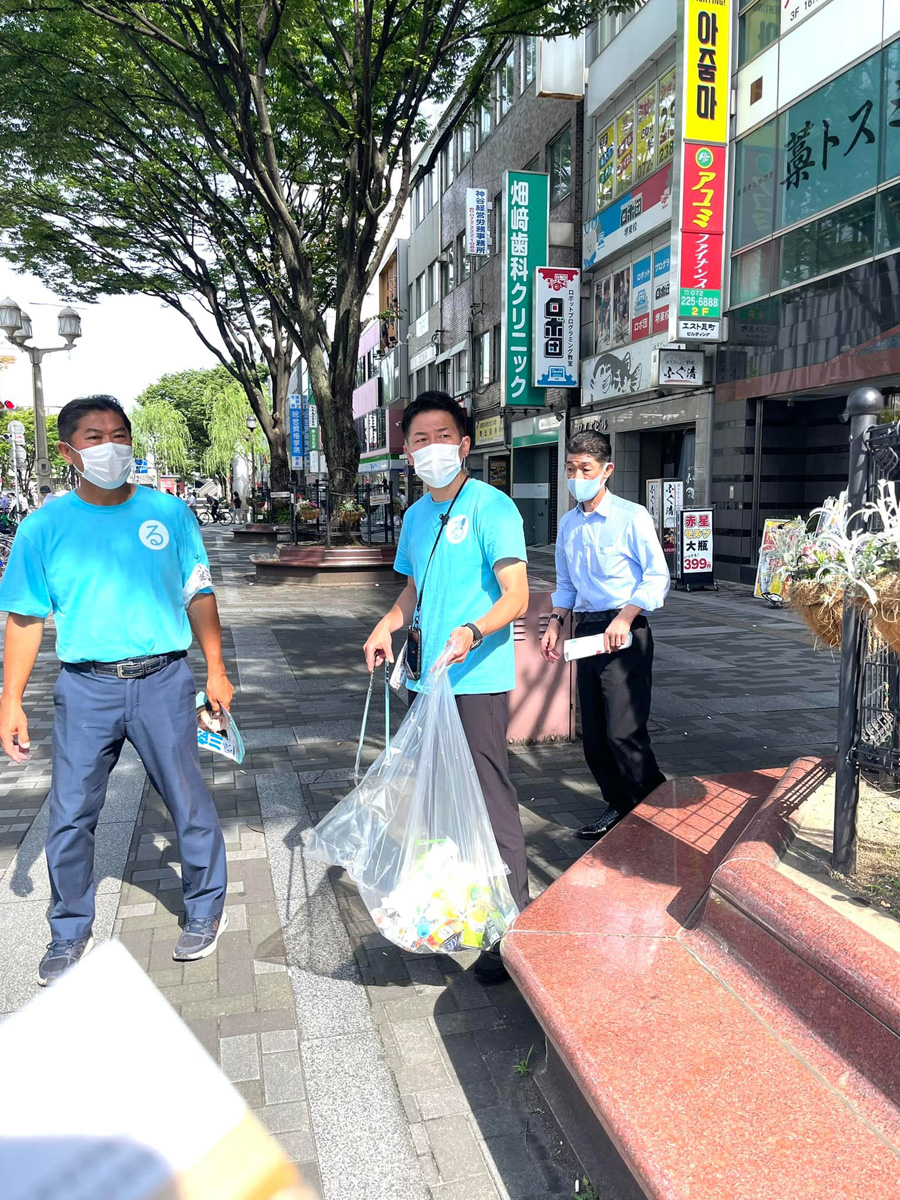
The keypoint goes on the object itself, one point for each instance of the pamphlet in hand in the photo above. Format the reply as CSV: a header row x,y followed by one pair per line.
x,y
219,734
588,647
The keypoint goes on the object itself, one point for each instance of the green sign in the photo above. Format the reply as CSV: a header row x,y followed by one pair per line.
x,y
526,234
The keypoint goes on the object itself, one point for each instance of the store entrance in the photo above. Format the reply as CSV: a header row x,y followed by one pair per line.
x,y
669,454
534,492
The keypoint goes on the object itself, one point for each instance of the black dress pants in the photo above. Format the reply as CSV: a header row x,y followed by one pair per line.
x,y
485,720
614,696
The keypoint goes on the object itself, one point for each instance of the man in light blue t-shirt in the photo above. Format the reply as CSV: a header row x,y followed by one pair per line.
x,y
466,601
123,572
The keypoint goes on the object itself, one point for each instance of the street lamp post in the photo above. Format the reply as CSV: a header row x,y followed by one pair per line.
x,y
16,324
252,426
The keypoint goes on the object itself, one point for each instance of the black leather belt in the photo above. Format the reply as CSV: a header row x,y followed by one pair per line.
x,y
131,668
582,618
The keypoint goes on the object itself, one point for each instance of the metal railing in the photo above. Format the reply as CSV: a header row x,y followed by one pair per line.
x,y
869,696
370,516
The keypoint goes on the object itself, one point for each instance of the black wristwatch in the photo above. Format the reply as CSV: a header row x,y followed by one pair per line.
x,y
477,635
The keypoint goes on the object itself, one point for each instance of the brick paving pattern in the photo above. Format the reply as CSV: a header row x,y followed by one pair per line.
x,y
305,1006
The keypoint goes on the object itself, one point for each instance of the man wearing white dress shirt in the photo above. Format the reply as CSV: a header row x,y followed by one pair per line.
x,y
611,571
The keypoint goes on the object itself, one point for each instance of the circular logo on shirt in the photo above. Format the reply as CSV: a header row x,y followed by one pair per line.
x,y
457,528
154,535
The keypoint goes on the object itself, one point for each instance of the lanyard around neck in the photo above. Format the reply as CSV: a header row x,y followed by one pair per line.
x,y
445,517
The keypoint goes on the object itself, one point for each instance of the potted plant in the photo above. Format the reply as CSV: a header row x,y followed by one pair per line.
x,y
817,572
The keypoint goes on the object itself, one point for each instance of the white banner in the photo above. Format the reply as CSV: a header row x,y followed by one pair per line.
x,y
620,372
477,241
557,326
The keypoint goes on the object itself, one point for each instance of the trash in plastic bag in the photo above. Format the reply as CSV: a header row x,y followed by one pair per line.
x,y
415,838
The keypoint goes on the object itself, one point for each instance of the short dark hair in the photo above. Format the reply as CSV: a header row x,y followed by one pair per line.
x,y
434,401
590,441
68,419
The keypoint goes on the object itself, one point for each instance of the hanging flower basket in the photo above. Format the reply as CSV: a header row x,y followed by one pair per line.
x,y
308,513
821,605
350,520
885,613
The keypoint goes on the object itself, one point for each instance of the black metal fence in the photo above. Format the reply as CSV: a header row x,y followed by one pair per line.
x,y
869,699
878,732
371,514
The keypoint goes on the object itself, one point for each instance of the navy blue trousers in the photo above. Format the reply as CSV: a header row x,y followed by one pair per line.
x,y
94,716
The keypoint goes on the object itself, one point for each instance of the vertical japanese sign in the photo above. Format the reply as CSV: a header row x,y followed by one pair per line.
x,y
661,287
295,414
477,222
706,83
641,291
526,230
312,446
695,547
557,326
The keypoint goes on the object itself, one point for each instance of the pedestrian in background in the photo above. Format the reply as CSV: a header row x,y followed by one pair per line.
x,y
462,548
123,571
238,508
46,495
611,570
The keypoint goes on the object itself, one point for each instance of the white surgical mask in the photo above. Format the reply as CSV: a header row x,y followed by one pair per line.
x,y
585,489
107,465
437,465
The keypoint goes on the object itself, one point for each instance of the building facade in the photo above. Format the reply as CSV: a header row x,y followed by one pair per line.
x,y
815,257
659,418
513,129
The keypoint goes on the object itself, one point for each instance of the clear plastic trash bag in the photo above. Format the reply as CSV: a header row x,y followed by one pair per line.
x,y
415,838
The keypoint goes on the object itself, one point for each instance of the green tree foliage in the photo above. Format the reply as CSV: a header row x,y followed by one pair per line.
x,y
27,476
159,430
257,157
227,432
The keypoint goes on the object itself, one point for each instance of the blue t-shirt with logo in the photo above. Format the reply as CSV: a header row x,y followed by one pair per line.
x,y
484,527
117,578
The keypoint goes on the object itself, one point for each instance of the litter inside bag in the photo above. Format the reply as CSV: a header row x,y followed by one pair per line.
x,y
415,837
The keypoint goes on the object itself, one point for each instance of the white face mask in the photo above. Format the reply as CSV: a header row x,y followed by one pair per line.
x,y
586,489
107,465
437,465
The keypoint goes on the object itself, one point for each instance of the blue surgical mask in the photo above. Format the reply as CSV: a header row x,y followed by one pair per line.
x,y
586,489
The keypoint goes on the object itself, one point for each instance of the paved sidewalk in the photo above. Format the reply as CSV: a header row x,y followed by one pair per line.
x,y
384,1074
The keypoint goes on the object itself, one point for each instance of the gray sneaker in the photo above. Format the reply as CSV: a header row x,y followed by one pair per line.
x,y
60,956
199,937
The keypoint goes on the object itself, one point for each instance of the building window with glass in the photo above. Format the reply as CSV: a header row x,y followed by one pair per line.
x,y
482,124
464,143
433,284
560,159
447,165
461,373
463,265
444,381
418,203
484,362
758,27
529,61
506,82
447,271
420,295
495,215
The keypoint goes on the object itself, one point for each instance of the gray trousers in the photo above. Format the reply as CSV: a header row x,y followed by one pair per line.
x,y
94,716
485,720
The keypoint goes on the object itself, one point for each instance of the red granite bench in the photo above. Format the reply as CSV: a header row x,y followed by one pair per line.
x,y
714,1031
323,565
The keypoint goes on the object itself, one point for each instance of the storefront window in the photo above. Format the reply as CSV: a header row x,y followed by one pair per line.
x,y
828,144
753,273
888,220
829,244
759,26
754,185
624,151
645,139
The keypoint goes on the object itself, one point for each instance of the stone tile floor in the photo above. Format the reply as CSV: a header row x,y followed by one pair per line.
x,y
383,1072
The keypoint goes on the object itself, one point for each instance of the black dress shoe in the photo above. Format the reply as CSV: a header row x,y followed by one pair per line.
x,y
489,967
597,829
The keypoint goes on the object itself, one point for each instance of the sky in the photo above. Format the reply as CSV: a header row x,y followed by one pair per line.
x,y
127,343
